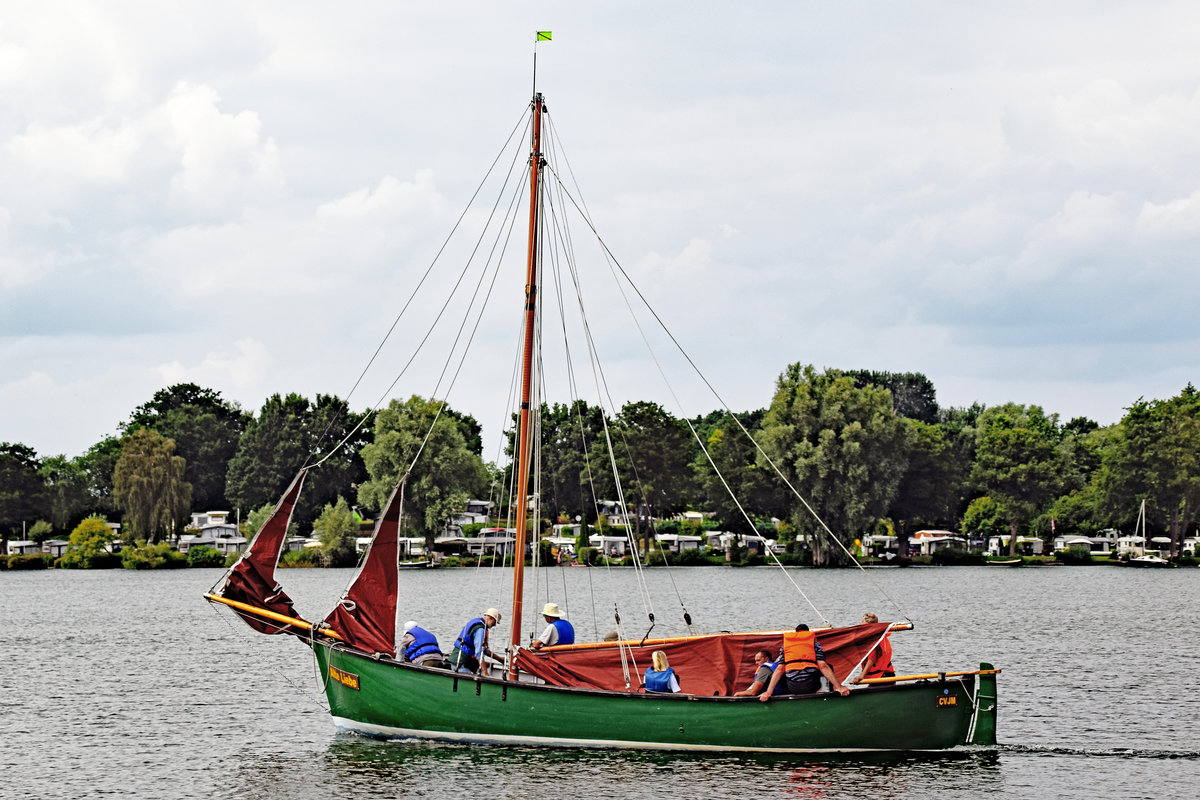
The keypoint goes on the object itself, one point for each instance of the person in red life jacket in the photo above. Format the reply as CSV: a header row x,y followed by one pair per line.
x,y
472,643
879,660
762,676
558,630
801,664
419,646
660,677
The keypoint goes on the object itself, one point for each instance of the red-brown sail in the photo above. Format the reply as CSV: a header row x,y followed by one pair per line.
x,y
706,665
365,617
252,578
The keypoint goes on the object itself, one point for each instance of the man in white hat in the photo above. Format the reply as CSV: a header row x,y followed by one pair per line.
x,y
558,630
472,643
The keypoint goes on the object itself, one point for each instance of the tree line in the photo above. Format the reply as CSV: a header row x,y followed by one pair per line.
x,y
867,452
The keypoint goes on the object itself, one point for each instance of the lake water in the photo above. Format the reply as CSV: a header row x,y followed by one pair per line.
x,y
128,684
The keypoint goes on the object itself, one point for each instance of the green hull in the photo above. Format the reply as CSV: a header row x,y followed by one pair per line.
x,y
384,698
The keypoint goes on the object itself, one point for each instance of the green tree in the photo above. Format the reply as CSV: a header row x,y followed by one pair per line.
x,y
337,528
931,491
913,395
653,452
98,465
40,531
205,429
87,544
841,446
65,490
567,434
446,475
1018,462
985,517
20,488
1156,456
148,485
740,483
288,433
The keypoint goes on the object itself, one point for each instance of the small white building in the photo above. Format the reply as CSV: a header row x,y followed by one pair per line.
x,y
677,542
926,543
1189,546
1026,546
23,547
55,547
1094,544
611,546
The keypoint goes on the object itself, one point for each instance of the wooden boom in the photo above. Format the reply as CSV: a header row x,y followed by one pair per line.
x,y
271,615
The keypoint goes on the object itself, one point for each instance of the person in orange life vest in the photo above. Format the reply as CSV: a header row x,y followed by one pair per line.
x,y
762,660
802,663
879,660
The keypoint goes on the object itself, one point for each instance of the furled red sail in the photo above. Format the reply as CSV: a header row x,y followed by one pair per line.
x,y
717,664
365,617
252,578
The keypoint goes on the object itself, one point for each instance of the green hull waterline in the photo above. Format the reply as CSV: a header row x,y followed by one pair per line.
x,y
383,698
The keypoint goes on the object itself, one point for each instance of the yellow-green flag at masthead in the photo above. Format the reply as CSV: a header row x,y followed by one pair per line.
x,y
543,36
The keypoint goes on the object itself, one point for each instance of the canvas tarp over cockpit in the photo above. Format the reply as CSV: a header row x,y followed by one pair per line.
x,y
706,665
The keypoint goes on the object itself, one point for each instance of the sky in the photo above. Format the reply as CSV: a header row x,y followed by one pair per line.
x,y
241,195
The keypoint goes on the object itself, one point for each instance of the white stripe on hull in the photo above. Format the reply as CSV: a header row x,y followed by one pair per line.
x,y
388,732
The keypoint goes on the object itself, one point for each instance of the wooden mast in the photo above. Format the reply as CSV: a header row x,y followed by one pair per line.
x,y
525,434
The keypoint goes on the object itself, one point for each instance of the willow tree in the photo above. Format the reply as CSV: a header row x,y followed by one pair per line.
x,y
148,485
443,478
842,446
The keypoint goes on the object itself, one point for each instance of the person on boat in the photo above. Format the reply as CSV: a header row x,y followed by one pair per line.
x,y
801,664
879,660
471,646
660,677
762,676
558,630
419,646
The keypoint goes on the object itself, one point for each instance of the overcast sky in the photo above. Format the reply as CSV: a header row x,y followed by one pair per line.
x,y
1004,198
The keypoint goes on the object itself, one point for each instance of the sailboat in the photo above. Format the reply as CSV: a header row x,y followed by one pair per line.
x,y
588,694
1141,538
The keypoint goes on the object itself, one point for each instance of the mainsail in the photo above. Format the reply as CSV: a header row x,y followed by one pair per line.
x,y
365,618
251,581
706,665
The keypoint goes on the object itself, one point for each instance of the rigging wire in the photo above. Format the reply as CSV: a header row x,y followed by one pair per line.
x,y
662,325
523,122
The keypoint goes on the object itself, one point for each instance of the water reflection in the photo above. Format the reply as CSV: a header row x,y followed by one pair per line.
x,y
353,767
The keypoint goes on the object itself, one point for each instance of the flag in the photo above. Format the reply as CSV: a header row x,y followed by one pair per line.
x,y
543,36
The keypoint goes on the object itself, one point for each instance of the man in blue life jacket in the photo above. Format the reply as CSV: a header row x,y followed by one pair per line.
x,y
419,646
471,646
558,630
801,665
762,676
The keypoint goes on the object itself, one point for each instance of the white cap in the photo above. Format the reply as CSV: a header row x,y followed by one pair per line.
x,y
494,614
551,610
408,626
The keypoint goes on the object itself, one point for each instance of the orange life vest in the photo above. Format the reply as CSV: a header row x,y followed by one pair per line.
x,y
882,666
799,650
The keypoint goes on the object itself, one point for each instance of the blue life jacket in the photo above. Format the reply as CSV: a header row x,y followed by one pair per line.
x,y
423,644
659,681
566,632
781,687
466,638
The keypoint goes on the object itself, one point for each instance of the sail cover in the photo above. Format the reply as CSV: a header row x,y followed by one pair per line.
x,y
365,617
252,579
707,665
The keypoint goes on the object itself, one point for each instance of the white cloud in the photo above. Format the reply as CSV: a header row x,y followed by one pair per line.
x,y
237,371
